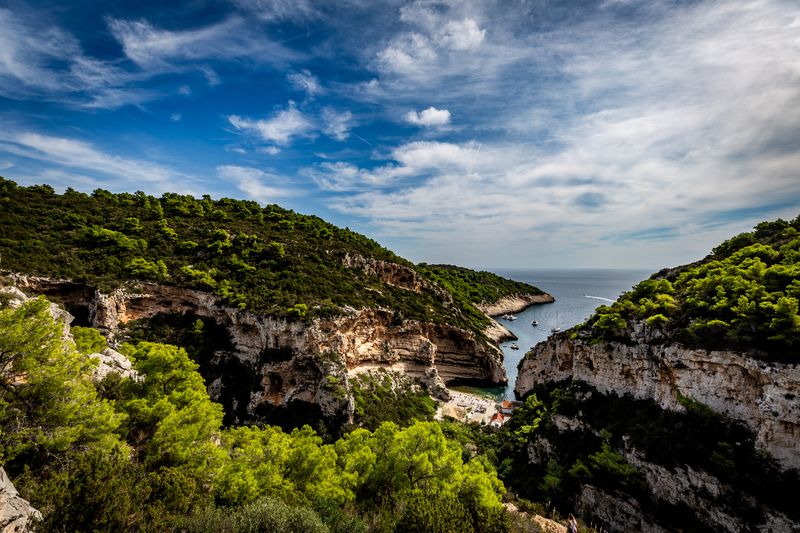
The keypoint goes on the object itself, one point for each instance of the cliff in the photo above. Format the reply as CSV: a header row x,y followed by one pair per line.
x,y
515,303
16,513
275,361
760,394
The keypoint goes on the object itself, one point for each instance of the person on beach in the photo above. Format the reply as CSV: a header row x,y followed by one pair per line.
x,y
572,524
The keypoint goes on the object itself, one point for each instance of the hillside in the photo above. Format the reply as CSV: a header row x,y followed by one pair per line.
x,y
743,296
267,260
146,450
675,408
280,310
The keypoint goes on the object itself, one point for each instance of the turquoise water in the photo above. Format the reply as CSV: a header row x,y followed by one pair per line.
x,y
578,293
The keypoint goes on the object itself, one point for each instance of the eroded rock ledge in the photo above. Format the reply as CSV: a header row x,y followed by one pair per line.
x,y
514,304
283,360
760,394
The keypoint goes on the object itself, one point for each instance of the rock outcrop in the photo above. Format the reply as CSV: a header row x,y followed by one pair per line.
x,y
514,304
287,360
16,514
112,362
762,395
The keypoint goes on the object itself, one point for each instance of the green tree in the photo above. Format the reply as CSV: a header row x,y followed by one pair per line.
x,y
48,404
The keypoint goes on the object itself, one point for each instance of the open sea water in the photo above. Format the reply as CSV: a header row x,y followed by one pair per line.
x,y
578,292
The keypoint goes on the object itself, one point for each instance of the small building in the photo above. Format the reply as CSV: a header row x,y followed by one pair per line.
x,y
506,407
497,420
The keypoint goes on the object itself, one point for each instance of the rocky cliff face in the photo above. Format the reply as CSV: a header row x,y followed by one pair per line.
x,y
762,395
16,513
280,361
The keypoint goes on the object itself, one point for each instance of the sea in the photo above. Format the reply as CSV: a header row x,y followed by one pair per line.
x,y
578,292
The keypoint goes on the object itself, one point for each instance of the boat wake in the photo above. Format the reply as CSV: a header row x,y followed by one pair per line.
x,y
599,298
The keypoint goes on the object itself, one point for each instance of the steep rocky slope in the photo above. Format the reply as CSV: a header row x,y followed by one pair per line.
x,y
762,395
274,361
281,306
709,345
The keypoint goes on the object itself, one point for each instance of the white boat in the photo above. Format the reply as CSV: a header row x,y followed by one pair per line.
x,y
515,346
511,317
555,329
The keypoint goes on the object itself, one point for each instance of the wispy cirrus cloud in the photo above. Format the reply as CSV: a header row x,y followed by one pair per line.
x,y
305,81
151,47
42,61
64,154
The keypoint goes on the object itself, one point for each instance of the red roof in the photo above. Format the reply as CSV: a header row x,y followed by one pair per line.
x,y
507,404
497,416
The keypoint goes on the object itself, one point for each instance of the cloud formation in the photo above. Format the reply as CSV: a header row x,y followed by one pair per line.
x,y
112,171
264,187
429,117
280,128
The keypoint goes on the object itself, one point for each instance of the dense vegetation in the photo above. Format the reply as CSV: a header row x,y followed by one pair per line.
x,y
382,396
151,454
266,259
590,453
476,286
744,296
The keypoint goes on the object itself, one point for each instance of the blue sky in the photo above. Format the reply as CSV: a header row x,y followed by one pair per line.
x,y
489,133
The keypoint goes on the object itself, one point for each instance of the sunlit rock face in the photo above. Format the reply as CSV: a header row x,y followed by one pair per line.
x,y
765,396
275,361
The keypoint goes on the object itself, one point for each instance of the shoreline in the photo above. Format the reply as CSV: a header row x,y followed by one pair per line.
x,y
466,407
514,304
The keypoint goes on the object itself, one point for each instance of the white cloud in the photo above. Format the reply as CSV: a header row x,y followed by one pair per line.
x,y
429,117
268,150
410,55
255,183
411,160
155,48
280,128
47,62
436,44
184,90
337,124
673,124
305,81
211,76
112,170
279,10
176,117
461,35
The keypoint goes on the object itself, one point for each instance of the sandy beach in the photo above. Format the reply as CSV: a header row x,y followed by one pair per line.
x,y
467,408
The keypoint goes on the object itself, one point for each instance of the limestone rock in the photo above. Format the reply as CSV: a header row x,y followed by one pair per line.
x,y
514,304
763,395
617,511
293,360
434,385
16,514
111,361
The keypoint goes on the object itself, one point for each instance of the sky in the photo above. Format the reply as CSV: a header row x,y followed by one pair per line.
x,y
490,133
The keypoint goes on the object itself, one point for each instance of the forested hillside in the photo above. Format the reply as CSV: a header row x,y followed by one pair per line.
x,y
266,259
743,296
150,454
476,286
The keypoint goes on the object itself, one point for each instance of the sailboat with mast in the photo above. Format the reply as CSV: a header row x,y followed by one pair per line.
x,y
555,329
